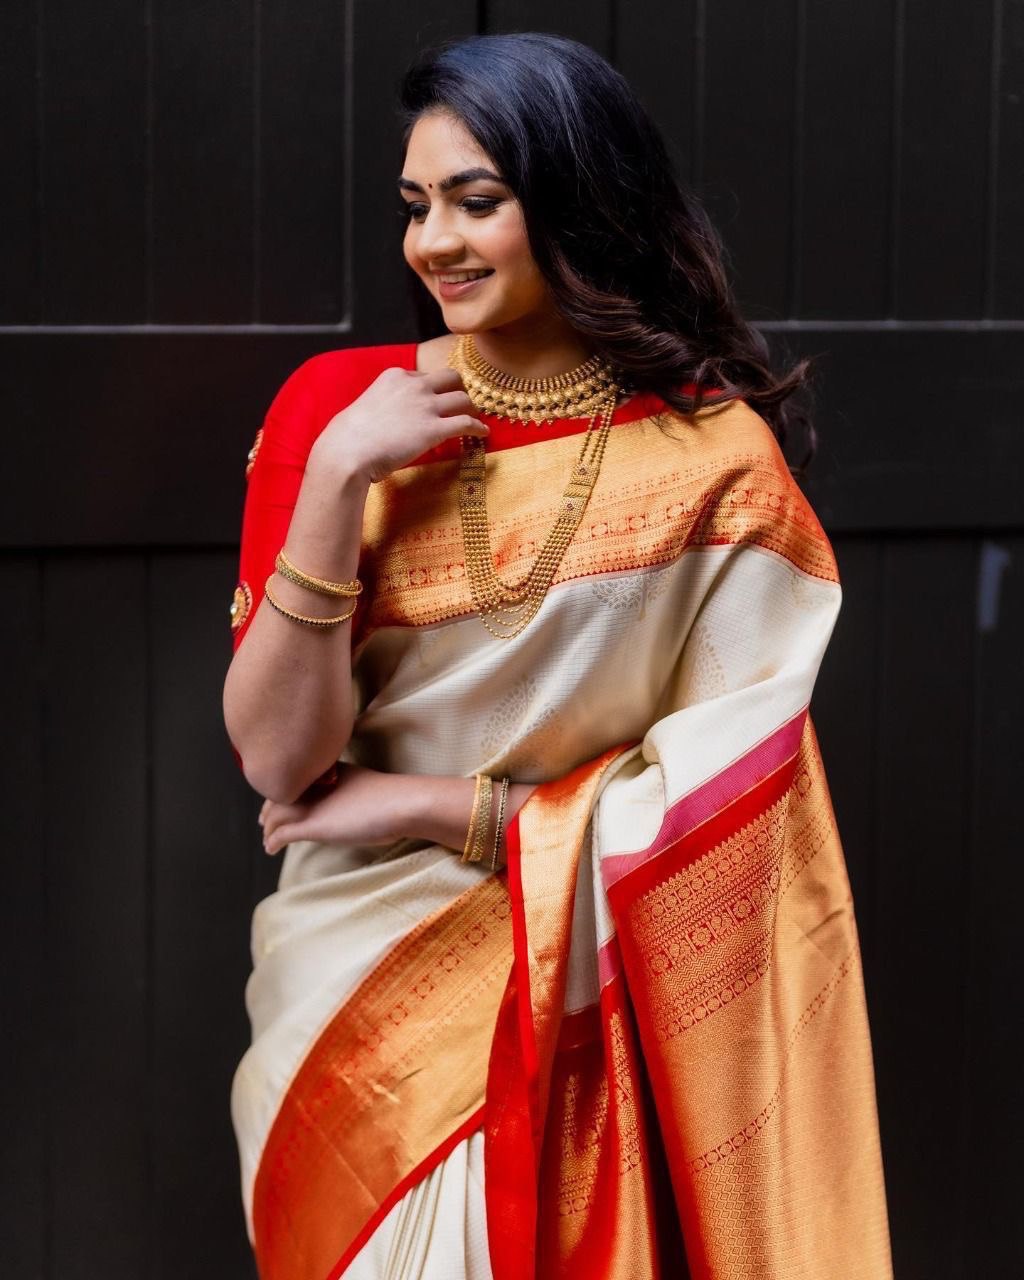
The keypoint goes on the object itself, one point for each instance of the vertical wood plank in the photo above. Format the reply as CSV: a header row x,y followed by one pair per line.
x,y
93,162
19,131
96,938
305,150
993,1121
924,772
25,1203
748,143
385,41
943,160
663,71
205,842
845,178
203,215
583,20
1006,266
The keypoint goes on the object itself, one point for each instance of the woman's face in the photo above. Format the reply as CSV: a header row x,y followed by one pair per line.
x,y
469,224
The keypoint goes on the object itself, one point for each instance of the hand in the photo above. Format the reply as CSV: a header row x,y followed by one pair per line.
x,y
400,415
363,807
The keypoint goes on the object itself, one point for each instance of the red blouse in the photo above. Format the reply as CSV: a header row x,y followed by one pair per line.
x,y
309,398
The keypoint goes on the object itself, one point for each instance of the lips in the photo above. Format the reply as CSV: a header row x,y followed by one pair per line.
x,y
458,289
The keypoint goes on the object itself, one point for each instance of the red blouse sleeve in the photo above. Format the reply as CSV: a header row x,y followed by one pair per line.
x,y
306,402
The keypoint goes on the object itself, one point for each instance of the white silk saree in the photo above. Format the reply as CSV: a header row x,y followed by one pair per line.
x,y
641,1050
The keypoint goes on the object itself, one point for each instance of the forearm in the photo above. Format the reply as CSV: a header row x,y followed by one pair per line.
x,y
288,703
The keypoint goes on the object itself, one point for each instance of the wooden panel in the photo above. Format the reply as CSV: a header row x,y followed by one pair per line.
x,y
924,770
204,156
582,20
748,143
842,254
25,1203
943,158
205,845
386,40
97,867
93,162
1006,265
305,175
666,72
19,263
992,1128
920,429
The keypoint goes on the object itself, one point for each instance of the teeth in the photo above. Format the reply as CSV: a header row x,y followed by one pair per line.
x,y
456,277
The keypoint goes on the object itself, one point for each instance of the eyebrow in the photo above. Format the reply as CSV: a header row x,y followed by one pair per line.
x,y
454,180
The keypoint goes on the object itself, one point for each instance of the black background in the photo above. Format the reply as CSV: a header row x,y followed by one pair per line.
x,y
197,196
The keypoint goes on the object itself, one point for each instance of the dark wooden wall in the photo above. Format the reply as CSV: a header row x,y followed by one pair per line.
x,y
198,195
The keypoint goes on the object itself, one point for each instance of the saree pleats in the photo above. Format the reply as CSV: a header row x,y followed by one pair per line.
x,y
393,1081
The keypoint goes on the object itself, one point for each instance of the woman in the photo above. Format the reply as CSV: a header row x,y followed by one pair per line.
x,y
550,594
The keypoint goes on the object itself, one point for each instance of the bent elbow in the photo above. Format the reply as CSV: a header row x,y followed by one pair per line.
x,y
282,781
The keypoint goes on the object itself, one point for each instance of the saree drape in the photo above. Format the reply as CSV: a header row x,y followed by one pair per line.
x,y
641,1050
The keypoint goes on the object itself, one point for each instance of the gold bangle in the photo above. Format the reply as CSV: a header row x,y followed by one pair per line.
x,y
479,819
501,822
287,570
301,617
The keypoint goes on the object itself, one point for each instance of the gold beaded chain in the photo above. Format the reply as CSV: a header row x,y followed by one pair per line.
x,y
506,609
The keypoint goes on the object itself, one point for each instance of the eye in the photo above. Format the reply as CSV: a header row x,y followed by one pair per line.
x,y
478,204
416,211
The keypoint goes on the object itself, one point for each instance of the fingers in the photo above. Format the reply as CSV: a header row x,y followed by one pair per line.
x,y
277,821
449,402
443,379
462,424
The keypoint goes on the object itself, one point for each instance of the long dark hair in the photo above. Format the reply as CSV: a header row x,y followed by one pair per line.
x,y
631,257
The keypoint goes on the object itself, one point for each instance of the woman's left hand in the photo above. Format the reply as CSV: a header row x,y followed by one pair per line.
x,y
363,807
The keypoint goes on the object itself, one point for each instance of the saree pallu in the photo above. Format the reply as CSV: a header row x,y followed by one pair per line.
x,y
642,1049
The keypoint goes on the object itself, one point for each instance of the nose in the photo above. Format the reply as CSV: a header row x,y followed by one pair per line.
x,y
438,240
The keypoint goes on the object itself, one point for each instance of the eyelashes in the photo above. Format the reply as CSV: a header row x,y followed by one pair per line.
x,y
415,210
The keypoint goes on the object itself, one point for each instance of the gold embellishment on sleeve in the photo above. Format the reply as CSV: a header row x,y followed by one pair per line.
x,y
250,457
241,604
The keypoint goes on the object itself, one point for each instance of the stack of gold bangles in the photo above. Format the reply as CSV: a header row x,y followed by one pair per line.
x,y
480,820
338,590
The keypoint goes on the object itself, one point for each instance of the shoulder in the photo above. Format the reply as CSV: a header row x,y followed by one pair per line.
x,y
435,351
328,382
722,437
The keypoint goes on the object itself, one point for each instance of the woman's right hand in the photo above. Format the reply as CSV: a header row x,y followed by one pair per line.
x,y
400,415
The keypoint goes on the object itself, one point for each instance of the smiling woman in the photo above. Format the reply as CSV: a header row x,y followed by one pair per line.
x,y
561,975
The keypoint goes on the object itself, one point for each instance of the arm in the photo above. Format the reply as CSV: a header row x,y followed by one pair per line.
x,y
288,701
369,807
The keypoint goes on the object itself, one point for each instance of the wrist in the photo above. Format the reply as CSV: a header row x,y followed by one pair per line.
x,y
344,475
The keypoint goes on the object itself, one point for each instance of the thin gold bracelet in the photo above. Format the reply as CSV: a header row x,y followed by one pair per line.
x,y
502,795
301,617
288,570
479,819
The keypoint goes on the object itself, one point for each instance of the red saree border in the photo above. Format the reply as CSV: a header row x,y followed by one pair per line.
x,y
691,845
425,1167
530,1018
712,797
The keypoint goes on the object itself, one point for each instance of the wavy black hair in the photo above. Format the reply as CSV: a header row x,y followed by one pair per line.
x,y
631,257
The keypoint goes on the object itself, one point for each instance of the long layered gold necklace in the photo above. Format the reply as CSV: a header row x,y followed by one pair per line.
x,y
588,390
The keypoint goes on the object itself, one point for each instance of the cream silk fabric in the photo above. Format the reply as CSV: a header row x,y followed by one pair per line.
x,y
687,652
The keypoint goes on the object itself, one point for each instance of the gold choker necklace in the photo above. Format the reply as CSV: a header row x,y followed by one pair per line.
x,y
505,609
577,394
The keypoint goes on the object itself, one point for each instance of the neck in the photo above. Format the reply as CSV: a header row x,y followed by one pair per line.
x,y
550,346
